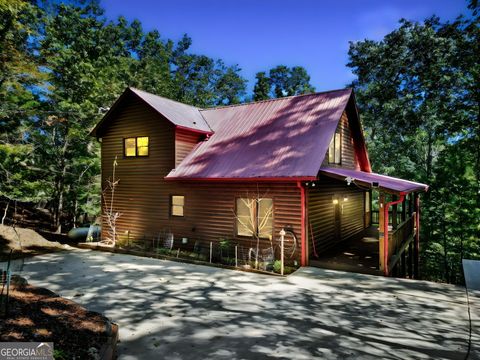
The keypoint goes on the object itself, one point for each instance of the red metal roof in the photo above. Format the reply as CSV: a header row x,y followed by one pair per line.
x,y
280,138
181,115
367,179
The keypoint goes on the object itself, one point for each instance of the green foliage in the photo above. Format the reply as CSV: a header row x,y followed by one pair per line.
x,y
417,91
282,81
261,91
290,81
61,63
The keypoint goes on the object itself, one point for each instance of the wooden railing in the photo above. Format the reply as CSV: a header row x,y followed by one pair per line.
x,y
399,239
375,217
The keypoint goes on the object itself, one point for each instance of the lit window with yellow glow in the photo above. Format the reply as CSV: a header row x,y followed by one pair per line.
x,y
136,146
177,205
335,149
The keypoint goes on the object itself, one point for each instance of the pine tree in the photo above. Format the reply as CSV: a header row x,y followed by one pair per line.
x,y
261,91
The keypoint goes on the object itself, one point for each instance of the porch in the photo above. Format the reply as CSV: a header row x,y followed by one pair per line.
x,y
358,254
361,252
388,243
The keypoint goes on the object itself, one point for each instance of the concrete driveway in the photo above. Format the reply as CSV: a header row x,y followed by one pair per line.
x,y
169,310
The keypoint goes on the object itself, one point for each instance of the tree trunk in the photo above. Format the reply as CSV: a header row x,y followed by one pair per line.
x,y
5,212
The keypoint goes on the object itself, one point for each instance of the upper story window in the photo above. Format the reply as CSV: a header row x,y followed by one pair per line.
x,y
177,204
255,217
136,146
335,149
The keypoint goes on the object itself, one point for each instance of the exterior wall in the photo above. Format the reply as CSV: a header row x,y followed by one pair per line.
x,y
137,197
321,213
348,159
209,213
143,196
185,141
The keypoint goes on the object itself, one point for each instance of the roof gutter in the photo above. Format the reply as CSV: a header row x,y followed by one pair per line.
x,y
385,231
252,179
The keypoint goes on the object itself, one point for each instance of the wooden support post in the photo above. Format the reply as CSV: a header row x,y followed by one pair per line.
x,y
282,238
381,223
236,255
410,204
404,264
410,260
211,244
394,214
404,209
416,248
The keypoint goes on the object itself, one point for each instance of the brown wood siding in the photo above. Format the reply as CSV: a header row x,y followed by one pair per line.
x,y
321,215
136,196
348,159
143,196
185,141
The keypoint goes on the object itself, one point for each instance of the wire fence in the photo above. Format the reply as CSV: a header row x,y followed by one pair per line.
x,y
224,251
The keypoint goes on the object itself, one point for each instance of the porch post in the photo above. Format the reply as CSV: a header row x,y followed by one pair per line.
x,y
404,263
417,236
394,214
404,209
381,227
410,260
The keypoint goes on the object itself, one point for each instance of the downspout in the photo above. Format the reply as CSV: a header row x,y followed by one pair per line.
x,y
417,235
303,259
385,231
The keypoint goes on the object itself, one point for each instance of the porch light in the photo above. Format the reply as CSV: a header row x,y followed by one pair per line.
x,y
335,201
345,198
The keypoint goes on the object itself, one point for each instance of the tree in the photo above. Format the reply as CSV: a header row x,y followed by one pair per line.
x,y
287,81
230,86
261,91
417,91
279,77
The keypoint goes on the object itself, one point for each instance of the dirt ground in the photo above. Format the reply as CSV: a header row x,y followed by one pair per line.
x,y
25,242
37,314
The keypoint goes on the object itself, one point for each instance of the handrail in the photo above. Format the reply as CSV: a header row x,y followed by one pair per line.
x,y
402,224
400,239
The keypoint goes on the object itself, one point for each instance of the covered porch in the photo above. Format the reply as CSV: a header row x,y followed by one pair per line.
x,y
389,243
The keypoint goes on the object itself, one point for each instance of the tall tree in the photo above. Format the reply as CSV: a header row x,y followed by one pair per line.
x,y
418,94
19,78
261,91
279,78
290,81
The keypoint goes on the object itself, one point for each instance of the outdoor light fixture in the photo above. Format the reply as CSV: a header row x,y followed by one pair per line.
x,y
345,198
335,201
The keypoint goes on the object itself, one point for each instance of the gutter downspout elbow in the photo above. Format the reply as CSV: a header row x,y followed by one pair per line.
x,y
303,259
385,231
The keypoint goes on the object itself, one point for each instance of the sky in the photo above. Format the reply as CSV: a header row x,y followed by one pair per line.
x,y
261,34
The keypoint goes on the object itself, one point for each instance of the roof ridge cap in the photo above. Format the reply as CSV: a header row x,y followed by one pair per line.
x,y
273,99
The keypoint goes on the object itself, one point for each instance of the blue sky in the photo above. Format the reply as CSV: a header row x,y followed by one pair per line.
x,y
260,34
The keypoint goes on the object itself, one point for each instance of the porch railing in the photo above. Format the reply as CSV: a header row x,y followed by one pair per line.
x,y
399,239
375,217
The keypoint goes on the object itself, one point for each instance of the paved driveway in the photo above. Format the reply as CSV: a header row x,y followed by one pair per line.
x,y
169,310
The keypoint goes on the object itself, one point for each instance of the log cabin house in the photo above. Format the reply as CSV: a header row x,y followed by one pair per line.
x,y
190,170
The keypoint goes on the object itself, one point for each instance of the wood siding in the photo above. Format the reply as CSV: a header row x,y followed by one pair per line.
x,y
321,213
185,141
143,196
348,159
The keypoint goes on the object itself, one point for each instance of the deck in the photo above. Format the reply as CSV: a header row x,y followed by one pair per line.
x,y
358,254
